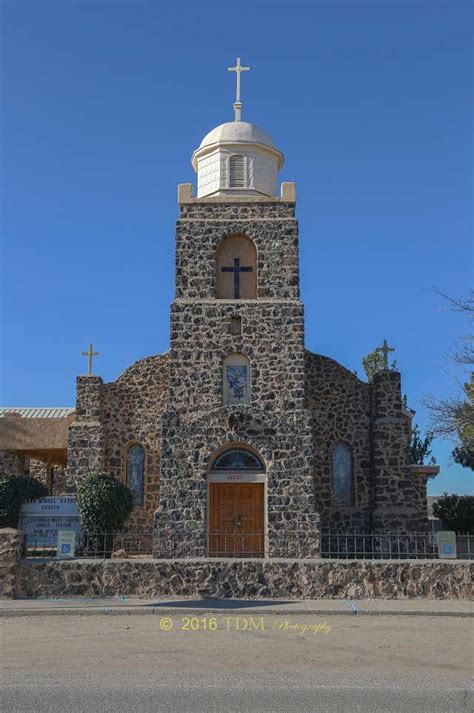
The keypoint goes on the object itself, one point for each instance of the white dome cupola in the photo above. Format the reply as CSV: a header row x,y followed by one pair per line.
x,y
237,158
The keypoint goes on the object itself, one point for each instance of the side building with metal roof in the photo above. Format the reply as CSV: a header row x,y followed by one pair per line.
x,y
33,440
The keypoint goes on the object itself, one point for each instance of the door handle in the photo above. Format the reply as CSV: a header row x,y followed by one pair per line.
x,y
238,520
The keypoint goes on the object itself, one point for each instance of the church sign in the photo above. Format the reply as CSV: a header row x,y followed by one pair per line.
x,y
42,519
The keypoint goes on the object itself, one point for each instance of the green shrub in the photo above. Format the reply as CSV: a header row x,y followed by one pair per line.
x,y
456,512
104,503
421,447
464,456
14,490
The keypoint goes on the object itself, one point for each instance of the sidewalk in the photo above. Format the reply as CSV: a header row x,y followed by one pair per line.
x,y
326,607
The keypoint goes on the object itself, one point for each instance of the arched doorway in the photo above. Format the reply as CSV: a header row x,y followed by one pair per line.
x,y
236,504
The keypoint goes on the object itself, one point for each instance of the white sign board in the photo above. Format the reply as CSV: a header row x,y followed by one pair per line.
x,y
66,543
446,541
42,519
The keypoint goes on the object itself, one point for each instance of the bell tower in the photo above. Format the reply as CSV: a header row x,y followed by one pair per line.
x,y
237,460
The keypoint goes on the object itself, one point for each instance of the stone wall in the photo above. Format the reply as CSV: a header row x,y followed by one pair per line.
x,y
237,207
340,407
272,336
110,417
12,463
85,439
275,423
39,470
271,226
55,480
371,420
131,413
419,500
247,579
11,550
394,504
283,441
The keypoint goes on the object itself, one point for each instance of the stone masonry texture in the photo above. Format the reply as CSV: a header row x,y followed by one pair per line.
x,y
110,417
12,463
275,423
11,550
131,414
247,579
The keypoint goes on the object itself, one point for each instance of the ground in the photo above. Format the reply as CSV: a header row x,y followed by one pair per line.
x,y
259,662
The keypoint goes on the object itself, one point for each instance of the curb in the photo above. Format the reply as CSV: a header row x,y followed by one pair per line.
x,y
176,611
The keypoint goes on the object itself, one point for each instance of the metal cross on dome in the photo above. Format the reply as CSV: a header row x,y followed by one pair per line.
x,y
238,104
90,353
385,350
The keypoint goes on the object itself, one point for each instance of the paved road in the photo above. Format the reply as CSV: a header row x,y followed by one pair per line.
x,y
270,663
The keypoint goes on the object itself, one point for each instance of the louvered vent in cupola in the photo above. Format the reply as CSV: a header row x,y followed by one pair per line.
x,y
237,172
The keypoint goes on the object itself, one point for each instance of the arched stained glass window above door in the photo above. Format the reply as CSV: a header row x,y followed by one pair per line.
x,y
238,459
135,472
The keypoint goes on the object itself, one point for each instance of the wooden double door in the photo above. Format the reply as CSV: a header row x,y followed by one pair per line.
x,y
236,522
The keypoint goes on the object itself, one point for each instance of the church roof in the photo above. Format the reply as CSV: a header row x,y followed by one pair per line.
x,y
36,412
237,132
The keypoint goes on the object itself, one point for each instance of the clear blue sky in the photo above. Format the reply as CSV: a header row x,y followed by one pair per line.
x,y
102,106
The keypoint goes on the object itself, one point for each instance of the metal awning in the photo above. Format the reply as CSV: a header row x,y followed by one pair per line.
x,y
36,411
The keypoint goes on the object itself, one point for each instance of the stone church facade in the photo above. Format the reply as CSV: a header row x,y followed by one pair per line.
x,y
238,440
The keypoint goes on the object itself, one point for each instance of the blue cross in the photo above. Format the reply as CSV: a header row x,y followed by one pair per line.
x,y
236,270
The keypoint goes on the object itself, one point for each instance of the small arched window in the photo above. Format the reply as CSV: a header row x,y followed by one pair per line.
x,y
342,474
135,472
236,379
237,172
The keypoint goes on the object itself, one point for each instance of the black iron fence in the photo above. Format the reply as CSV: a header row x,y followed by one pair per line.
x,y
335,545
389,545
233,544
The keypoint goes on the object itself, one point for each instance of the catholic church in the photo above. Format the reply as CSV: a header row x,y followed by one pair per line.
x,y
238,440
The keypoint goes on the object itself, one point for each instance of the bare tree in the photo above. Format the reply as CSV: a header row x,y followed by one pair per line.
x,y
465,305
453,417
463,350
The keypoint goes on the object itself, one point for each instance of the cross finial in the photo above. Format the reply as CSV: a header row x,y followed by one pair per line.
x,y
385,350
90,353
238,104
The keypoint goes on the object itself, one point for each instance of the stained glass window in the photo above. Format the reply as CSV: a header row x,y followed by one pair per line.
x,y
238,459
236,379
342,474
135,471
